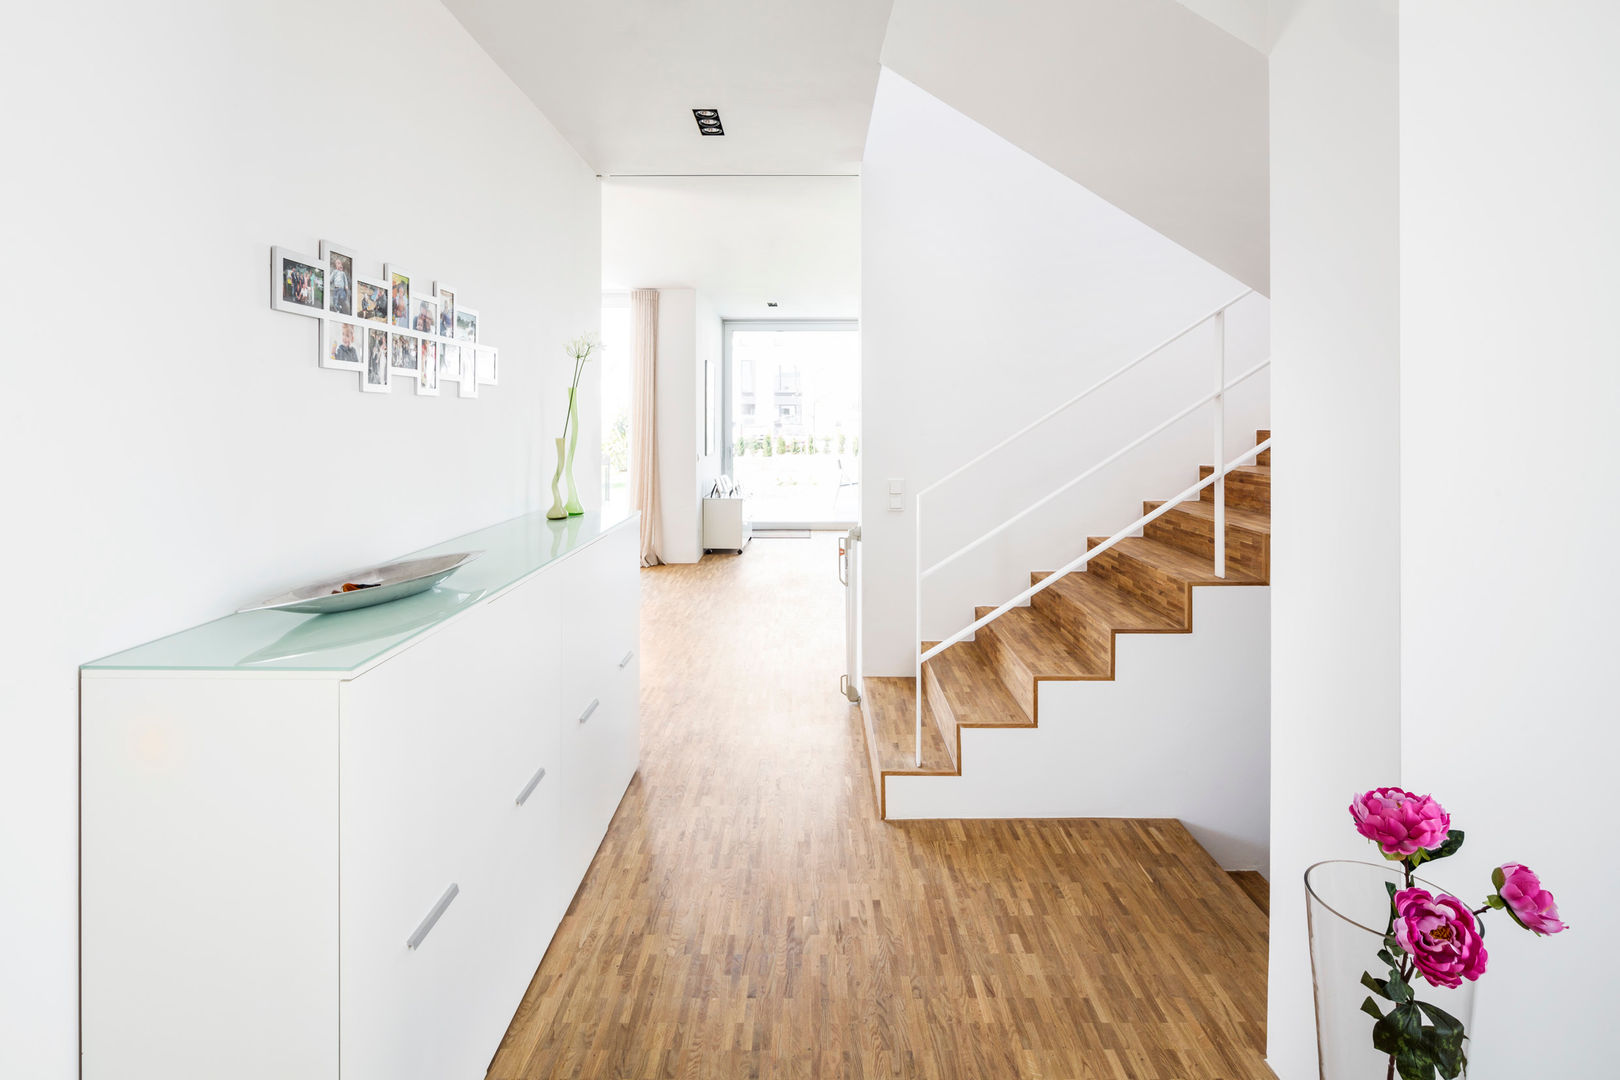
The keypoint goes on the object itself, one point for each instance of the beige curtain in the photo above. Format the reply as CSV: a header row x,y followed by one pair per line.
x,y
644,419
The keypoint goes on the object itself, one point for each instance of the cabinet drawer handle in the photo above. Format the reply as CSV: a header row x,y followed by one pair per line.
x,y
528,789
433,916
586,715
627,658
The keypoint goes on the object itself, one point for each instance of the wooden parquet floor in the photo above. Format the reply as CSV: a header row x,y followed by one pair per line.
x,y
748,915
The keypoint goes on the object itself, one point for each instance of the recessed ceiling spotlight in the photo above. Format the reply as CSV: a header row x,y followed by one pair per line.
x,y
708,121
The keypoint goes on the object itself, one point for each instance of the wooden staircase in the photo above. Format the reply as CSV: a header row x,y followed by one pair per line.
x,y
1142,585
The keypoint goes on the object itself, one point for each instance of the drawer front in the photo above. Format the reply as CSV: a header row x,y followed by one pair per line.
x,y
418,1005
423,738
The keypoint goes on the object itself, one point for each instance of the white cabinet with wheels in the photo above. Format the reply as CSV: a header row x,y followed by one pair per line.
x,y
725,524
338,845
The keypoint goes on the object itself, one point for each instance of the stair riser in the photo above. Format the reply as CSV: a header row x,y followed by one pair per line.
x,y
1147,585
1015,675
1245,549
1252,491
940,706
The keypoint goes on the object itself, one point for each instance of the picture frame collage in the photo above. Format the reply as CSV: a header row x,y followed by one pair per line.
x,y
388,329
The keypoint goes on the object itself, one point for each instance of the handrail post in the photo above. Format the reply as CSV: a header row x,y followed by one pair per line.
x,y
1220,443
917,621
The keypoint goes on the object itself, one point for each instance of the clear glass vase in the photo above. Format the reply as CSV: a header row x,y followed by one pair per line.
x,y
1348,907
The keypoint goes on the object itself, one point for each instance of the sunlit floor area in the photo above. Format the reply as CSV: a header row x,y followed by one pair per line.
x,y
749,915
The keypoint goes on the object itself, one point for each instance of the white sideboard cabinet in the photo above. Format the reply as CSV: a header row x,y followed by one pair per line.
x,y
335,847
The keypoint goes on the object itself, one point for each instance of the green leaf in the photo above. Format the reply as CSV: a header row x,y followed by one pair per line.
x,y
1454,841
1496,901
1377,986
1444,1041
1403,1027
1498,878
1398,989
1384,955
1415,1063
1370,1007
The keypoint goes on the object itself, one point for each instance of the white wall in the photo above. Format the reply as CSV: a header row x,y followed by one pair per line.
x,y
173,451
688,333
994,287
1510,263
1180,731
1154,108
1335,512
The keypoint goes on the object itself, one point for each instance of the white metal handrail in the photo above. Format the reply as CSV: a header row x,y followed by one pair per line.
x,y
1217,477
1103,464
1146,519
1087,392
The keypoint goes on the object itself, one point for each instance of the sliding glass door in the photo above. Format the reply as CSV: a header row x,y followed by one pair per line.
x,y
793,413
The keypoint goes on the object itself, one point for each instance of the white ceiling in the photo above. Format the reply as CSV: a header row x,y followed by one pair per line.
x,y
619,78
738,240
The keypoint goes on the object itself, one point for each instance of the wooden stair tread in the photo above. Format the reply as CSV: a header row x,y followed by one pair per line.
x,y
888,705
1179,564
976,697
1044,647
1240,516
1110,605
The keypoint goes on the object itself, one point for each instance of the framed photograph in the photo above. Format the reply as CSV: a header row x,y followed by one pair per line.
x,y
447,309
487,365
466,325
427,379
342,345
449,360
425,316
338,260
468,386
370,300
398,280
297,282
402,351
375,379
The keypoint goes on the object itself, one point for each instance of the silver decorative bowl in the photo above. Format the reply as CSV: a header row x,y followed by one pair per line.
x,y
380,584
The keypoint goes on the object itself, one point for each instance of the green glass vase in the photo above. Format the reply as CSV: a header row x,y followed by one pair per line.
x,y
572,506
558,510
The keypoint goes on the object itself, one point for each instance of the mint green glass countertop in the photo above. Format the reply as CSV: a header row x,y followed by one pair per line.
x,y
346,641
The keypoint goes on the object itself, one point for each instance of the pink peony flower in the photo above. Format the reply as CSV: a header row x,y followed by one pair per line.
x,y
1400,822
1438,932
1532,906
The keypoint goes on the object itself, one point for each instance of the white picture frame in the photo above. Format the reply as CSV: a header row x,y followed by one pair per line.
x,y
404,354
466,324
446,295
425,307
468,386
373,380
367,291
285,290
339,261
487,364
332,343
427,377
399,314
449,361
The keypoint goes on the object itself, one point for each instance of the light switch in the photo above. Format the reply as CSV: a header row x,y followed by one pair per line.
x,y
896,485
897,502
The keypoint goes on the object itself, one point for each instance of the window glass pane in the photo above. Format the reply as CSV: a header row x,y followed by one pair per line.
x,y
795,438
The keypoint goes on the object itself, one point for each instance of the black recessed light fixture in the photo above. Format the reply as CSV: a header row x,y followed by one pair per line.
x,y
708,121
